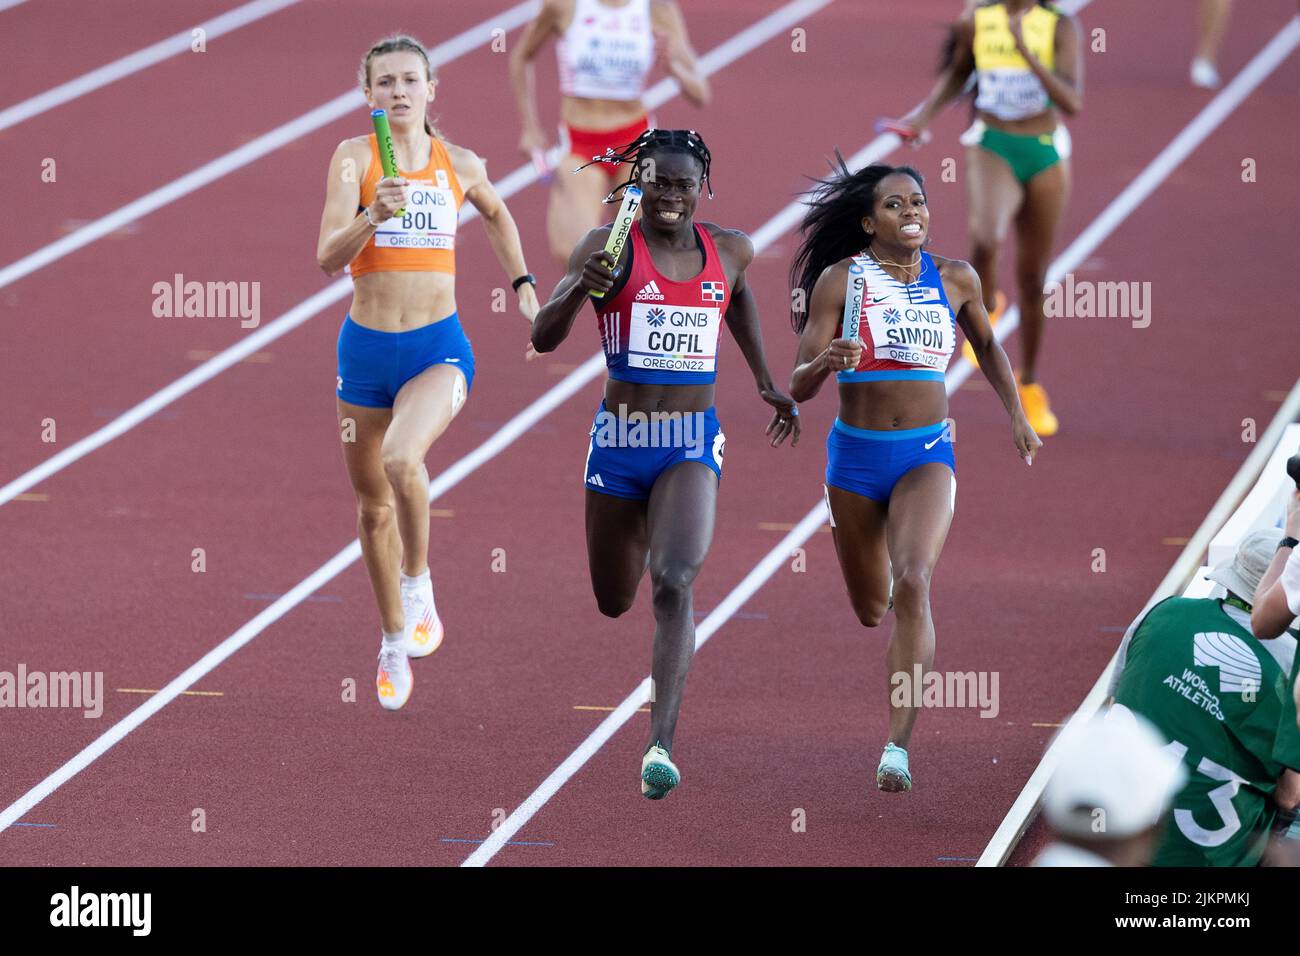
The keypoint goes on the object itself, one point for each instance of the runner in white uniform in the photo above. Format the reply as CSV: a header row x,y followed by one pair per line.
x,y
606,51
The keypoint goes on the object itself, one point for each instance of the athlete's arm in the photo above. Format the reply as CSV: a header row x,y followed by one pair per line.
x,y
820,353
678,56
737,251
536,33
588,272
501,229
1271,614
343,231
1065,84
961,283
952,80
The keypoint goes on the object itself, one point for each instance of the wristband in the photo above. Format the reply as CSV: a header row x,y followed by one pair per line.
x,y
526,277
365,211
1287,542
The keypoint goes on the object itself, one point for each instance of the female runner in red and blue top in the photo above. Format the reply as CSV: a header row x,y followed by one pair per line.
x,y
890,476
652,488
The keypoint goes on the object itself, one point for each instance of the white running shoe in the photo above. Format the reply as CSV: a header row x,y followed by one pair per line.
x,y
394,680
423,626
1204,74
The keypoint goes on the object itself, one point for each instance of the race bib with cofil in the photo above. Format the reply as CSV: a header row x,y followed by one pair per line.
x,y
672,338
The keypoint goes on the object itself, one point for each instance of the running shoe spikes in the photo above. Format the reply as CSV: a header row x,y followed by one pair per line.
x,y
892,775
658,773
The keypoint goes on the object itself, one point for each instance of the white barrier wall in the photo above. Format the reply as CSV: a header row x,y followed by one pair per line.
x,y
1265,506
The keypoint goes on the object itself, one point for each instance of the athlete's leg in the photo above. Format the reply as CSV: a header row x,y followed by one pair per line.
x,y
920,512
1211,24
858,527
617,546
682,505
994,195
575,206
381,548
423,409
1036,224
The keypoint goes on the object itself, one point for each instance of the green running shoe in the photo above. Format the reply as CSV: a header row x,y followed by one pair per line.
x,y
658,773
892,775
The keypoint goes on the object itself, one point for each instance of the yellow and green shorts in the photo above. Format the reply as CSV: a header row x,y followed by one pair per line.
x,y
1026,155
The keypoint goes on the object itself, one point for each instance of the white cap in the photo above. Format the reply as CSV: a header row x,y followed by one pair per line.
x,y
1114,778
1242,574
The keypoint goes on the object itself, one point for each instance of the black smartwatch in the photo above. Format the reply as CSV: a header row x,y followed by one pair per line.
x,y
1287,543
526,277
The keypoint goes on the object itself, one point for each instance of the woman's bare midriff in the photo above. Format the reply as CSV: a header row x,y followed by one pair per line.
x,y
643,397
883,406
401,301
599,115
1045,122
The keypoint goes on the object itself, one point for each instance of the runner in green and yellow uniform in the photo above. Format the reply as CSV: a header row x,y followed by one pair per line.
x,y
1027,62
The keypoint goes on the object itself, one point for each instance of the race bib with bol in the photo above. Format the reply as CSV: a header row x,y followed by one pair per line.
x,y
428,220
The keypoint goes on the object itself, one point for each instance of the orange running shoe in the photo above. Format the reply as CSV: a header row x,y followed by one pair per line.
x,y
394,680
968,350
1033,398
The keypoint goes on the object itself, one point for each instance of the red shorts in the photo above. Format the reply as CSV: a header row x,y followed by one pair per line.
x,y
591,143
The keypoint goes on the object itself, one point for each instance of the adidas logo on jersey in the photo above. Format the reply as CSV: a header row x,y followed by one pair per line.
x,y
596,480
649,293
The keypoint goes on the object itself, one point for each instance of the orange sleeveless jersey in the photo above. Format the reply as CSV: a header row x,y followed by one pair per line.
x,y
423,239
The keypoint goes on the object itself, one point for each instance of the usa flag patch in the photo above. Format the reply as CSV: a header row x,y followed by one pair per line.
x,y
712,292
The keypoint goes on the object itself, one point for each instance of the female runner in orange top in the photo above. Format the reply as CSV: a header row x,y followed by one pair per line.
x,y
405,366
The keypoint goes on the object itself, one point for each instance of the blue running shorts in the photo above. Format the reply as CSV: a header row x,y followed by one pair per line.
x,y
627,454
373,365
869,462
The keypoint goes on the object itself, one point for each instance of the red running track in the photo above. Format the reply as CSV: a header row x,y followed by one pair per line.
x,y
785,705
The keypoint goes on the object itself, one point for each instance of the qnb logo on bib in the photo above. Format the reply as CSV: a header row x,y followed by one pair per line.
x,y
913,334
670,338
428,220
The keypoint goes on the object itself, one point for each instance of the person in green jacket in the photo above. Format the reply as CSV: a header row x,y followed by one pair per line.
x,y
1194,669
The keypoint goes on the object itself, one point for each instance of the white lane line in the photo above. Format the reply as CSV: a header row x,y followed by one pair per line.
x,y
717,59
445,481
250,152
8,4
139,60
808,525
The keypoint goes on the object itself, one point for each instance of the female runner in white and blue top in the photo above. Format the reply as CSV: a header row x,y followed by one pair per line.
x,y
883,317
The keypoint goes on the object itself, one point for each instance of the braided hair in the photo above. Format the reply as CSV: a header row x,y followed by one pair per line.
x,y
832,226
655,141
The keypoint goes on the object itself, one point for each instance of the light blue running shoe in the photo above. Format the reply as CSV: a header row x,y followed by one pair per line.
x,y
892,775
659,774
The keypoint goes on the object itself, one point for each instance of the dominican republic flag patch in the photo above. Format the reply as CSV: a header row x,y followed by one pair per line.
x,y
712,291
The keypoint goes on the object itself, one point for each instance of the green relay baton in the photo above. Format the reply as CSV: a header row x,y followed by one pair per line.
x,y
622,228
387,158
